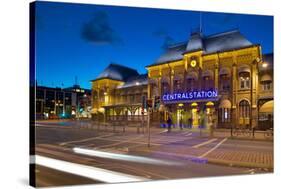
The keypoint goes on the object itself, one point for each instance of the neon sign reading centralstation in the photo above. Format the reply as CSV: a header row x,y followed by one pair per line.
x,y
188,96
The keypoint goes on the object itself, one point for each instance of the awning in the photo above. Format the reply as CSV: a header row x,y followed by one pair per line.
x,y
244,69
94,110
192,75
224,71
267,107
225,104
266,78
208,73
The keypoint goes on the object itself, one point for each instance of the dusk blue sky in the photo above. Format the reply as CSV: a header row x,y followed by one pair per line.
x,y
81,40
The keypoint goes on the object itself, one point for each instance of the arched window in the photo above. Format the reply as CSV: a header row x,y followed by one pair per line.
x,y
225,80
266,82
191,81
178,85
208,80
244,77
244,109
102,94
165,88
225,111
154,87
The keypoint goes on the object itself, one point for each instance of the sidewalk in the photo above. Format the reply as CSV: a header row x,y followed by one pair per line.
x,y
237,158
242,159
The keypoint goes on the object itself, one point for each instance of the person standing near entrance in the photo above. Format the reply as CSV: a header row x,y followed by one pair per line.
x,y
169,122
190,123
180,122
181,125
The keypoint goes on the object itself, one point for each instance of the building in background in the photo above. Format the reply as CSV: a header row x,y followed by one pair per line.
x,y
118,93
81,101
221,80
54,103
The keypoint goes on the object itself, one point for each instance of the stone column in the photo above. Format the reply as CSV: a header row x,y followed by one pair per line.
x,y
159,85
172,80
148,89
254,81
235,115
216,76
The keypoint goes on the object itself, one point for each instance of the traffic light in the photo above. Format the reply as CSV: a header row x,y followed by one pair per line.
x,y
149,103
156,102
144,102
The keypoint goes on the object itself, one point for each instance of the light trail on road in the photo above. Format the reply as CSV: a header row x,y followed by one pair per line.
x,y
123,157
87,171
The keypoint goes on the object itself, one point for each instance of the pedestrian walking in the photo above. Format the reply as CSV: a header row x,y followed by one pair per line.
x,y
169,122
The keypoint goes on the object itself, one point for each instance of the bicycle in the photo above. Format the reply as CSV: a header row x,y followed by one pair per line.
x,y
243,132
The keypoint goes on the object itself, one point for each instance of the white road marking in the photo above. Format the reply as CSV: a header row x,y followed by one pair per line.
x,y
133,142
121,142
186,132
84,140
122,157
209,151
189,134
87,171
166,130
204,143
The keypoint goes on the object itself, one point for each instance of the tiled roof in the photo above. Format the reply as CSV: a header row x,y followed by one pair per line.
x,y
135,81
117,72
209,44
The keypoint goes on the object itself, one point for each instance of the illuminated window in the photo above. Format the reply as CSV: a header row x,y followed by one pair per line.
x,y
224,114
191,84
244,109
266,86
266,82
225,82
207,83
244,78
165,88
178,85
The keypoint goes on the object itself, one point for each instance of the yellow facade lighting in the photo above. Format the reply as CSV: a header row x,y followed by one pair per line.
x,y
210,104
194,104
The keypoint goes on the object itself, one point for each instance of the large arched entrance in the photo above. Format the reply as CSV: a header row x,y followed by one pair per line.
x,y
266,115
224,114
244,114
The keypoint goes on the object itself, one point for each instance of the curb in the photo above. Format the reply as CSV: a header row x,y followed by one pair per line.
x,y
196,159
239,164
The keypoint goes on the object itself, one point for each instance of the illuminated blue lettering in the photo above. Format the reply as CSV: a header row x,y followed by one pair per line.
x,y
192,95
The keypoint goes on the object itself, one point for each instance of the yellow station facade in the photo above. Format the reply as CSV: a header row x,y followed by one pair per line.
x,y
222,80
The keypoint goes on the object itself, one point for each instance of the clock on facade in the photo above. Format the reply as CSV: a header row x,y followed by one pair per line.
x,y
193,63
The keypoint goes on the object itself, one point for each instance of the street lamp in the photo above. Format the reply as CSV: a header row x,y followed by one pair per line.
x,y
264,65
